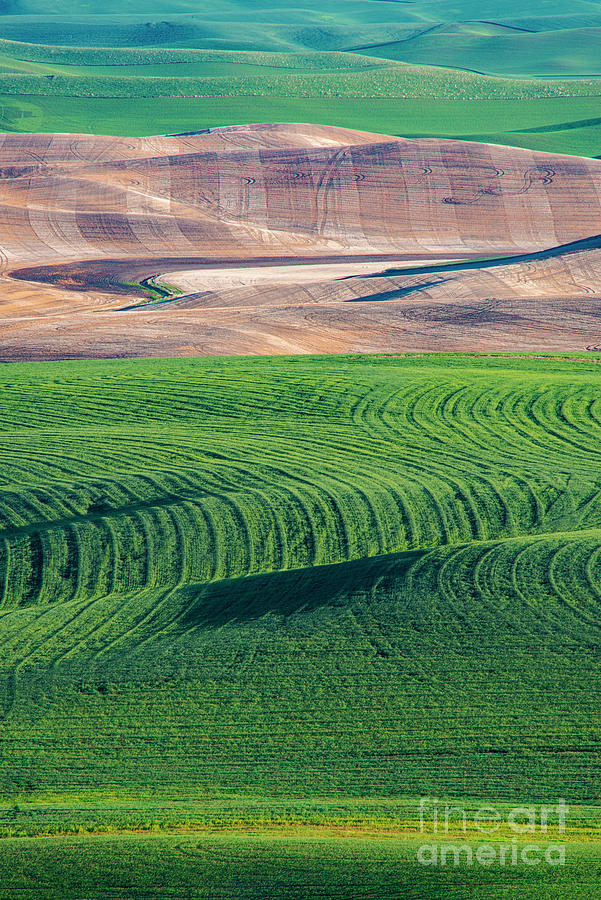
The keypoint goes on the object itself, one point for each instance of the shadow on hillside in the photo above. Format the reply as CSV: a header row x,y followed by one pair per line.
x,y
285,593
397,293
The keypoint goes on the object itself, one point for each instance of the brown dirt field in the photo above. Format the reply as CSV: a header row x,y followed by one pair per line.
x,y
80,215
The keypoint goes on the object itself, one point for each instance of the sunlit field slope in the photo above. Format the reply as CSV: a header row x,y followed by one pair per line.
x,y
293,239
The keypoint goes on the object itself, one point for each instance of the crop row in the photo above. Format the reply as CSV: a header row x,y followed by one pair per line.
x,y
299,577
214,476
472,671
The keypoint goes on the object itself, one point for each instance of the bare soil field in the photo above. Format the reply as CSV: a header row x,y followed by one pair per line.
x,y
285,239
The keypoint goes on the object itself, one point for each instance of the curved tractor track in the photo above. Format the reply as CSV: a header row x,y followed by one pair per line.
x,y
247,550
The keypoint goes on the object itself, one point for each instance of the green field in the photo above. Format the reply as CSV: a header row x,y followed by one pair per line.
x,y
294,593
501,122
500,50
356,64
264,864
273,25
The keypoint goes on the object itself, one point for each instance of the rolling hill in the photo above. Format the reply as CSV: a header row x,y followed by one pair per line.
x,y
266,596
500,49
163,67
293,238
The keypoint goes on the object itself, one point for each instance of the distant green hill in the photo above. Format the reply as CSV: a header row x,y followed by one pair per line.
x,y
160,90
164,68
501,50
270,22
